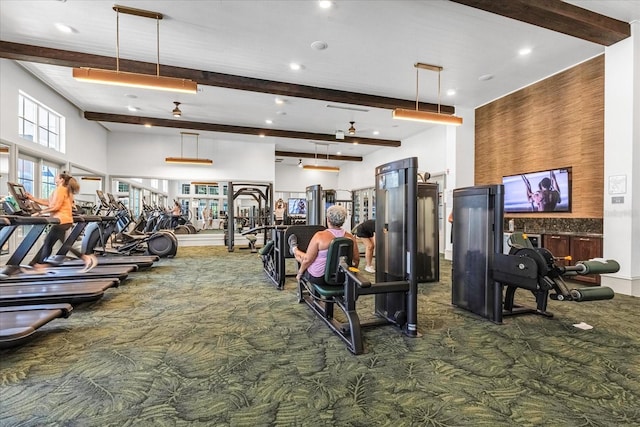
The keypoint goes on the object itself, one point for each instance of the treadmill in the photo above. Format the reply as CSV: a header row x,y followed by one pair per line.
x,y
11,273
27,289
38,226
19,324
81,222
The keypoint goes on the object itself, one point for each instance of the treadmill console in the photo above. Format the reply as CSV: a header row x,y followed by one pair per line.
x,y
25,206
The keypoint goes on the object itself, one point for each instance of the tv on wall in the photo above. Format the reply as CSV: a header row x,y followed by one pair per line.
x,y
544,191
297,206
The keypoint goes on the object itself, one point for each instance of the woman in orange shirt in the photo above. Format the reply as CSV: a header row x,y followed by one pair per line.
x,y
60,205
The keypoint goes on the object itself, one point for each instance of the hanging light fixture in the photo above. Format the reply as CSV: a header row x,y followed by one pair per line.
x,y
176,111
317,167
427,116
122,78
189,160
352,129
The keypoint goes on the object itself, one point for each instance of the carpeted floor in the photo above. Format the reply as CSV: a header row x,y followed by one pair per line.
x,y
206,340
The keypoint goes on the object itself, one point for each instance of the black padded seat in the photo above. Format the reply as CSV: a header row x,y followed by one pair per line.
x,y
340,248
304,233
19,323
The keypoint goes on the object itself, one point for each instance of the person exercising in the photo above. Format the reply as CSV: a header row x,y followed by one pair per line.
x,y
176,213
548,195
314,260
366,231
60,205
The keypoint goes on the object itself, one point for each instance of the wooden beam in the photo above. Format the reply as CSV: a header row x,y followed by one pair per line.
x,y
319,156
212,127
65,58
556,15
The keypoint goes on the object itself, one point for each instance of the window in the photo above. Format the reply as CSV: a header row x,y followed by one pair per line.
x,y
213,190
26,174
39,124
224,190
123,187
49,174
154,183
200,189
186,188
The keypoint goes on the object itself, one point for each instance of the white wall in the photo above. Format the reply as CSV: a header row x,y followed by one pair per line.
x,y
429,147
142,155
291,178
86,142
622,162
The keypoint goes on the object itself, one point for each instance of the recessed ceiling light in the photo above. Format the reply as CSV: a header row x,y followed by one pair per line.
x,y
485,77
295,66
279,101
324,4
65,28
261,135
338,153
319,45
147,125
132,108
524,51
376,132
451,92
269,121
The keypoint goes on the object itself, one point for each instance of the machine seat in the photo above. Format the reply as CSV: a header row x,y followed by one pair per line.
x,y
340,249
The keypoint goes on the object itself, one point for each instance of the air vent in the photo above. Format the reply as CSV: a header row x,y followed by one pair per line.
x,y
340,107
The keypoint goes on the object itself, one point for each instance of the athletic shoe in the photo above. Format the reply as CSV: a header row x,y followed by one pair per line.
x,y
293,244
34,269
369,269
90,264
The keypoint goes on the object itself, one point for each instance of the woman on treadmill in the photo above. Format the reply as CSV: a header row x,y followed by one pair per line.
x,y
60,205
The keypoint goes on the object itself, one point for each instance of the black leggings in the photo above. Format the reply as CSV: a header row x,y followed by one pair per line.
x,y
56,233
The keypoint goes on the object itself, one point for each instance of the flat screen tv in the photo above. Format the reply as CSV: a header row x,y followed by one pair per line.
x,y
544,191
297,207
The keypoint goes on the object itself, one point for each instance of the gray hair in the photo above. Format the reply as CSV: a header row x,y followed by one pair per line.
x,y
336,215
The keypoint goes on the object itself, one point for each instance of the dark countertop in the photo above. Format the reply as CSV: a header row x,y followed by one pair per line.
x,y
564,233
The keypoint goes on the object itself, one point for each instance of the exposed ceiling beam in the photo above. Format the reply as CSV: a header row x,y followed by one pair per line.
x,y
66,58
212,127
558,16
317,156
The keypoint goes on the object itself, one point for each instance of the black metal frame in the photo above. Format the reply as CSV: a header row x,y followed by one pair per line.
x,y
344,287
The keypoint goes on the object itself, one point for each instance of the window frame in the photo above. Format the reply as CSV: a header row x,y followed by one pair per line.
x,y
46,125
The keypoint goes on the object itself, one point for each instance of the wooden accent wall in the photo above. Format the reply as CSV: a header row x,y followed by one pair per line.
x,y
555,123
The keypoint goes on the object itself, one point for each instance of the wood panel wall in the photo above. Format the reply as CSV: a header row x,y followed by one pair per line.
x,y
555,123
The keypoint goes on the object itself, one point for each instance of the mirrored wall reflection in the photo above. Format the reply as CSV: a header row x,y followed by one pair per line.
x,y
141,195
4,168
4,178
90,183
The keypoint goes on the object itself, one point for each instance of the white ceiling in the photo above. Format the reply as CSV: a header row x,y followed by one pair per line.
x,y
372,46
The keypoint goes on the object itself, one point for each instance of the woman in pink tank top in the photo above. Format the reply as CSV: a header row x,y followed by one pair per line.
x,y
313,262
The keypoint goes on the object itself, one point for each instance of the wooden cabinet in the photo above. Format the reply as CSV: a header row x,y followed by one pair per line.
x,y
584,248
580,248
558,245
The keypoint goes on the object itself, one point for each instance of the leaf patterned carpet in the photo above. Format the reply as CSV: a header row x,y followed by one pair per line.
x,y
206,340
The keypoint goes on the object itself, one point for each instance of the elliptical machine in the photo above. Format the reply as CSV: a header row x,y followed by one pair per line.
x,y
101,236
